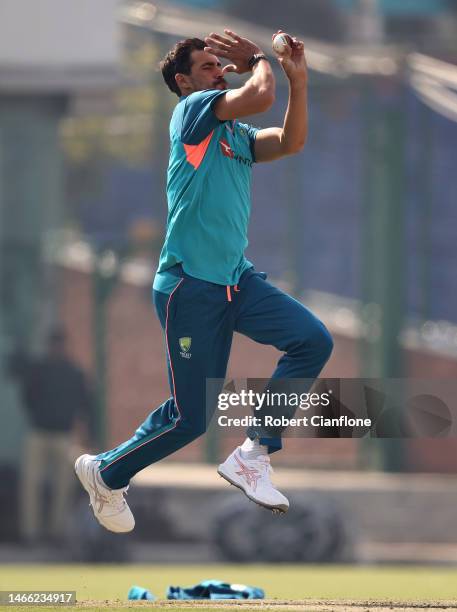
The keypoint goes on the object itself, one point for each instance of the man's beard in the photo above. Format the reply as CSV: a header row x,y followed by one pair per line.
x,y
220,83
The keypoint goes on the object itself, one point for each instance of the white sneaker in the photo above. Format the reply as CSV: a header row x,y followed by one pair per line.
x,y
109,506
253,477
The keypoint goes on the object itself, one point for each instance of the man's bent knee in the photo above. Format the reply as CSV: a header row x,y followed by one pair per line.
x,y
194,428
319,340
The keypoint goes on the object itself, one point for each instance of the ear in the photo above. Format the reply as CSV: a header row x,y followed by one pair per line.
x,y
181,79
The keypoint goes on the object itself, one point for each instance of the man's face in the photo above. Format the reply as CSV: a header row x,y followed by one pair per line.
x,y
206,73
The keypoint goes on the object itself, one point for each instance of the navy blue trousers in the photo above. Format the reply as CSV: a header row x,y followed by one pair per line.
x,y
198,319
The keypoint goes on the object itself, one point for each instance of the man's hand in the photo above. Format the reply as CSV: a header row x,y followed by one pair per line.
x,y
275,142
257,94
233,48
293,62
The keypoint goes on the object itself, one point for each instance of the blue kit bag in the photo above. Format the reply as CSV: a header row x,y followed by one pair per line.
x,y
215,589
137,592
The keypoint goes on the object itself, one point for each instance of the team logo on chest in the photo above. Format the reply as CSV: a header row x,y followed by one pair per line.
x,y
227,151
184,344
226,148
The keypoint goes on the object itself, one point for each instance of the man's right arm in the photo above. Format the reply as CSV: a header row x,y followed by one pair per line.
x,y
258,93
256,96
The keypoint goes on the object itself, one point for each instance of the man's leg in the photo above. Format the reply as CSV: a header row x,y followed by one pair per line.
x,y
60,444
198,340
269,316
197,321
33,469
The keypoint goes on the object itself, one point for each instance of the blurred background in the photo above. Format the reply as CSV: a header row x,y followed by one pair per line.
x,y
360,226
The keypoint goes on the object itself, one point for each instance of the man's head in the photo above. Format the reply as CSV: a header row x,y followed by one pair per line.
x,y
56,342
188,68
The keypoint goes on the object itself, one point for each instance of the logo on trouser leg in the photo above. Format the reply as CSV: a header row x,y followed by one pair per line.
x,y
184,344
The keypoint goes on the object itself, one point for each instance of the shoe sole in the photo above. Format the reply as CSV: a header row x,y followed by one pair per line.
x,y
78,460
281,509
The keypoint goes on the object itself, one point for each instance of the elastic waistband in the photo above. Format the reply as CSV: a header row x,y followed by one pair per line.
x,y
178,271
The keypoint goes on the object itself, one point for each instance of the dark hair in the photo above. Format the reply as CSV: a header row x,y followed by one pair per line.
x,y
177,60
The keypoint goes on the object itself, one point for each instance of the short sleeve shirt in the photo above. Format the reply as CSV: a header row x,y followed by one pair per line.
x,y
208,192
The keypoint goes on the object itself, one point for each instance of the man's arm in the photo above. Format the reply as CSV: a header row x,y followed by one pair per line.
x,y
273,143
257,94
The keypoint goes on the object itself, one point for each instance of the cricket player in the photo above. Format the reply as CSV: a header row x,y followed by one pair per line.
x,y
205,288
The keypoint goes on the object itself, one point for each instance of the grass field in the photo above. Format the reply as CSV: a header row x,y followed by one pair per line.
x,y
323,587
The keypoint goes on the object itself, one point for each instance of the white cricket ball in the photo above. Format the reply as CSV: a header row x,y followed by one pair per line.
x,y
281,42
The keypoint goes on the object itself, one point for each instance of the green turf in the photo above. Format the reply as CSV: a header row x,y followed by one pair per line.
x,y
95,582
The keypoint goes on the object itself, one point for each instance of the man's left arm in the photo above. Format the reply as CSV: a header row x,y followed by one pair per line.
x,y
273,143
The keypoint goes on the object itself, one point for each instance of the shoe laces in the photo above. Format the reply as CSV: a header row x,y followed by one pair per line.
x,y
116,498
105,496
264,462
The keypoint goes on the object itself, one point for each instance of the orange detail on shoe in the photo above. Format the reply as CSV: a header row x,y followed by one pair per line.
x,y
196,153
251,475
229,295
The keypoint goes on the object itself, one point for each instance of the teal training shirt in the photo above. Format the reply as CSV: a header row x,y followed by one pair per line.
x,y
209,194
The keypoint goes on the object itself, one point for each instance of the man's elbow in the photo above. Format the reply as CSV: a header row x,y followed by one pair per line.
x,y
300,145
265,98
294,147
